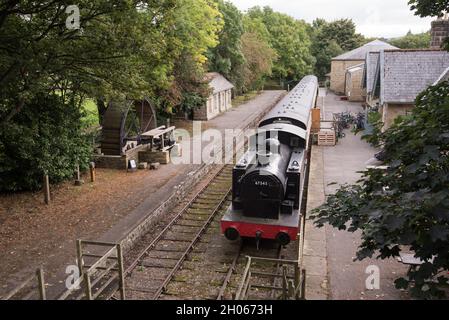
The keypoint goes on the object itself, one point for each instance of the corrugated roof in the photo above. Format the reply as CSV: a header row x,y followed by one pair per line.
x,y
361,52
218,82
406,73
372,62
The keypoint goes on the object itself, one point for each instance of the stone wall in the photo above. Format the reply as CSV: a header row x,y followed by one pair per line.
x,y
119,162
162,157
216,104
338,74
391,111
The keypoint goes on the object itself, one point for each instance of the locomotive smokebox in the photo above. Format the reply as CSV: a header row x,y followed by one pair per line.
x,y
263,188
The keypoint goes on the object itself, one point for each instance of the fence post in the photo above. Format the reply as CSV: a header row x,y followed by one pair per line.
x,y
47,196
92,172
121,271
78,181
79,248
88,285
40,279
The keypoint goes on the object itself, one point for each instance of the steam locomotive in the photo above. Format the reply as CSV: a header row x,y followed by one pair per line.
x,y
268,181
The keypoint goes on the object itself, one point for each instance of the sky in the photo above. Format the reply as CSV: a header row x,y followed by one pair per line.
x,y
374,18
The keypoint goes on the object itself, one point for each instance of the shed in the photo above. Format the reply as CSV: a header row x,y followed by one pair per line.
x,y
353,83
220,99
340,64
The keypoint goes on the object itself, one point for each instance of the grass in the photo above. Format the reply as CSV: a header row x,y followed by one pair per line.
x,y
91,118
239,100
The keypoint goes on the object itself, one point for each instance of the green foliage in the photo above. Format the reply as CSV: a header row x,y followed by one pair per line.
x,y
47,136
227,57
375,121
91,116
408,204
197,26
113,55
290,40
330,39
412,41
429,8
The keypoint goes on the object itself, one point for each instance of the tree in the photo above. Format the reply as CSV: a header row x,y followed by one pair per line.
x,y
47,136
330,39
259,58
227,57
111,55
408,203
429,8
47,70
198,23
289,38
343,31
412,41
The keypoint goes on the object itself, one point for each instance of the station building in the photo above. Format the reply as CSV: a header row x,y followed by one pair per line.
x,y
394,78
400,76
220,99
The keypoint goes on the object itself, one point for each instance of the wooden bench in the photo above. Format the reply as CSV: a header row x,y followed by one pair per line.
x,y
161,133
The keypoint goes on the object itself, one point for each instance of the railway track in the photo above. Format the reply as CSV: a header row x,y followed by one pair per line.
x,y
157,266
190,259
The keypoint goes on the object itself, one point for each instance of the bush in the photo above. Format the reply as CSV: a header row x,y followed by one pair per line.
x,y
46,136
376,124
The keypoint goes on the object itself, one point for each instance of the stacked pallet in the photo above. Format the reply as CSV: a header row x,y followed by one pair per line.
x,y
327,138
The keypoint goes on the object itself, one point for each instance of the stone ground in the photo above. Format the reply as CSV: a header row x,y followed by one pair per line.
x,y
32,234
332,273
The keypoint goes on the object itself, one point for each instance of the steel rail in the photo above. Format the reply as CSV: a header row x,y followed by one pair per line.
x,y
231,270
172,223
191,246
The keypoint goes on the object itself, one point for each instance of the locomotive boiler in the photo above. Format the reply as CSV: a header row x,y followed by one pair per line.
x,y
268,181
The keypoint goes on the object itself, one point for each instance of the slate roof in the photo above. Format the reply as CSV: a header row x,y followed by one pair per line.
x,y
218,82
360,53
406,73
371,65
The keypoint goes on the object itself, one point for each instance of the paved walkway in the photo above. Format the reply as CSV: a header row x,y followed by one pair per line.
x,y
330,253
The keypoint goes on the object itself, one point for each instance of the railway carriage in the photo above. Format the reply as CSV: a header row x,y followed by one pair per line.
x,y
268,181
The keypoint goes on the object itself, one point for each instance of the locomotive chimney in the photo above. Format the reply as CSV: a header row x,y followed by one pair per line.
x,y
439,32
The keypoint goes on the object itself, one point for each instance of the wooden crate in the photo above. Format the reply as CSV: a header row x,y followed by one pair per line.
x,y
327,138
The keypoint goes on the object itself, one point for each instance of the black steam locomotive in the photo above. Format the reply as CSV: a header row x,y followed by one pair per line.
x,y
268,180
